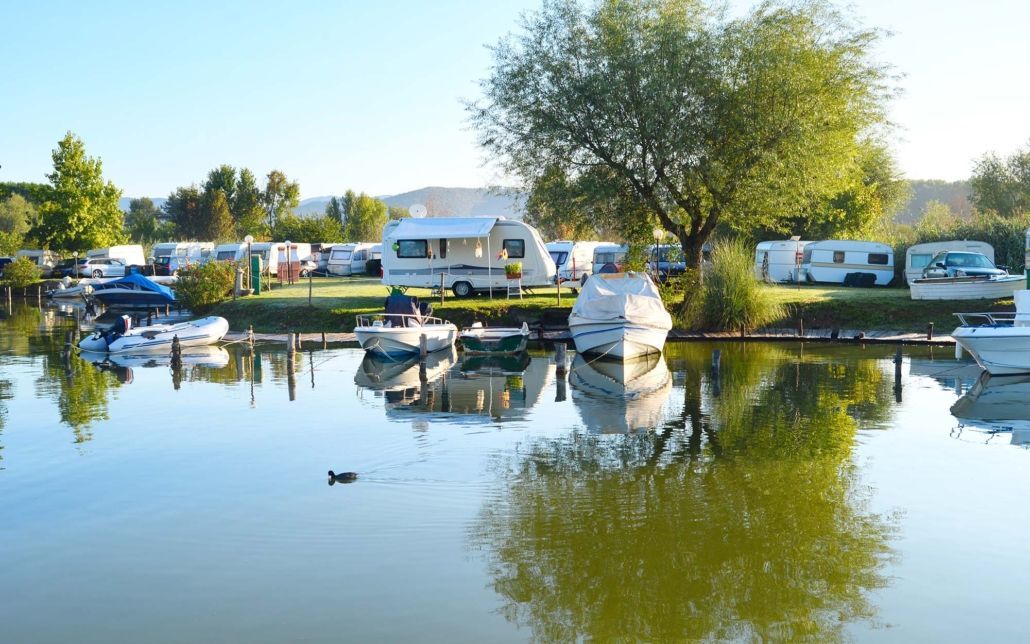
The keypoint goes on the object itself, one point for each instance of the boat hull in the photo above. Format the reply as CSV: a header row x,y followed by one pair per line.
x,y
966,288
401,341
619,339
1001,351
494,341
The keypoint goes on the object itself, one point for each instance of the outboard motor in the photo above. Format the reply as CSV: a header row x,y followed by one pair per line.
x,y
122,325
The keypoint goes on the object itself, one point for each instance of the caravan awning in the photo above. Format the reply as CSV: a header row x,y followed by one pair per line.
x,y
443,228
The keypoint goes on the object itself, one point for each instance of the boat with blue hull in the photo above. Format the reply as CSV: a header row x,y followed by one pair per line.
x,y
133,291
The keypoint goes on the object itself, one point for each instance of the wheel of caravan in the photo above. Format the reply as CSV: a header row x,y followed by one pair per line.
x,y
462,289
98,273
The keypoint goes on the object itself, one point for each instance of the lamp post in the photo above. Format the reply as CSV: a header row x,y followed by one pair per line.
x,y
289,266
658,235
250,278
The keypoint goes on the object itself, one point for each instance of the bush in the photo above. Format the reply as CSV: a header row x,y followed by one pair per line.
x,y
22,272
201,287
733,298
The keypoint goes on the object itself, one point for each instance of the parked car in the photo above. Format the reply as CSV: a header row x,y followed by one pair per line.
x,y
96,267
961,264
167,265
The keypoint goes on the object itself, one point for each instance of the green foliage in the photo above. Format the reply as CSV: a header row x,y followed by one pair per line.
x,y
281,196
334,211
21,272
141,221
219,224
397,212
10,243
34,193
733,298
81,211
246,206
698,116
1002,185
513,269
307,229
17,215
184,208
366,217
203,286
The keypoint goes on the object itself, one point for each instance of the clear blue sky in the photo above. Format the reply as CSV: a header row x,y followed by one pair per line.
x,y
367,95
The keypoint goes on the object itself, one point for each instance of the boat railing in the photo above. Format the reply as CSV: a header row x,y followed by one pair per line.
x,y
397,320
990,318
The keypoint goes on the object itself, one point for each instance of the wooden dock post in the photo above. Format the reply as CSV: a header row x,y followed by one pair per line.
x,y
324,345
929,331
423,346
801,327
250,338
291,346
557,288
176,353
561,364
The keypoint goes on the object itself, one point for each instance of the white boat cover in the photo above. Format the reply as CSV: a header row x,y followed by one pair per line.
x,y
443,228
621,296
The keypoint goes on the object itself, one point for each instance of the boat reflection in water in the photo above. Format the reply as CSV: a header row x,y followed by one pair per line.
x,y
401,378
997,404
620,397
491,388
122,364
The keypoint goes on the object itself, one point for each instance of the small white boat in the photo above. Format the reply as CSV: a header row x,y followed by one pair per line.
x,y
999,342
399,330
66,290
156,337
620,316
494,340
966,288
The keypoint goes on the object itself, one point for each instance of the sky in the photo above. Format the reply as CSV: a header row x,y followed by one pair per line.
x,y
370,95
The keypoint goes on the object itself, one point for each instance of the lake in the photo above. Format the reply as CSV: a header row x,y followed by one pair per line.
x,y
802,494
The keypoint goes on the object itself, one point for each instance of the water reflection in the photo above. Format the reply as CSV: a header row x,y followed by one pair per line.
x,y
739,517
996,405
620,397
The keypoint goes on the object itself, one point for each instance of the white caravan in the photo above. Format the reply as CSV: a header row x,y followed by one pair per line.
x,y
846,262
234,252
350,259
274,253
573,260
778,261
175,255
610,258
918,257
130,254
469,252
46,260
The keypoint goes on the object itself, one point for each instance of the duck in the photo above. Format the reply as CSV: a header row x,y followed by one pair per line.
x,y
342,477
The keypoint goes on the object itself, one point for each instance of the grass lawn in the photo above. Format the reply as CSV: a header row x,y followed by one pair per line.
x,y
336,300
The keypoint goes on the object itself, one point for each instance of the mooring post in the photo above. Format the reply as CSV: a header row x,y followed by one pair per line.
x,y
168,310
557,287
39,294
423,346
290,346
801,327
324,345
560,362
929,331
176,353
250,338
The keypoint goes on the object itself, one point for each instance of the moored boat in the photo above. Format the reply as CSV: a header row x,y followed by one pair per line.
x,y
980,287
123,338
399,330
999,342
133,290
494,340
620,316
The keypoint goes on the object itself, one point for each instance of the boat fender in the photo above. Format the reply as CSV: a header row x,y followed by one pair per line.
x,y
958,351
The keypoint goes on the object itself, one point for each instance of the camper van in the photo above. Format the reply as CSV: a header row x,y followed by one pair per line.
x,y
350,259
610,258
573,260
778,261
44,259
918,257
130,254
852,263
470,252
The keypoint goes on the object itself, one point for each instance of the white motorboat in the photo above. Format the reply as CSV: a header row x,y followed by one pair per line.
x,y
123,338
399,330
66,290
621,396
999,342
620,316
966,288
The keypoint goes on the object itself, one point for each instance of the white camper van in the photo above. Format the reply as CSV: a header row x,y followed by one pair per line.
x,y
778,261
610,258
918,257
130,254
573,260
848,262
350,259
470,252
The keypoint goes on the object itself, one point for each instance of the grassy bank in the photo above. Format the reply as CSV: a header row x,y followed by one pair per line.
x,y
335,302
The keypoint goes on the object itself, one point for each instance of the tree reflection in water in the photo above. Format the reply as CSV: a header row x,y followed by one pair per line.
x,y
741,518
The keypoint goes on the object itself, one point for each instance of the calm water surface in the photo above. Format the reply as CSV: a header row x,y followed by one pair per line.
x,y
795,497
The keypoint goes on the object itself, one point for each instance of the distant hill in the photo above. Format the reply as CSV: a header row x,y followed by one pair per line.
x,y
441,202
953,193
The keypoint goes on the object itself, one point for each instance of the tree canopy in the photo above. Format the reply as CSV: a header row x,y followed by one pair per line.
x,y
1002,185
699,117
81,210
366,217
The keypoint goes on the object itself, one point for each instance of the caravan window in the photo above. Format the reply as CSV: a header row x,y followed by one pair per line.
x,y
516,248
559,257
340,254
838,257
412,248
920,260
878,258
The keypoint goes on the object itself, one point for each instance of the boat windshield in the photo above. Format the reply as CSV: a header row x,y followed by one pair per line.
x,y
969,260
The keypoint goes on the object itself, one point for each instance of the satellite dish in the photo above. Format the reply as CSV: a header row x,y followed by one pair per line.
x,y
418,211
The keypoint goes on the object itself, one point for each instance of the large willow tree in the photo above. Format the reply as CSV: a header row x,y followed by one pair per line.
x,y
703,118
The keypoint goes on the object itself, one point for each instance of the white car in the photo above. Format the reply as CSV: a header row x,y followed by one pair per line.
x,y
101,267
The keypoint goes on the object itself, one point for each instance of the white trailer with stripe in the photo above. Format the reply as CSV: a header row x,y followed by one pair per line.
x,y
832,261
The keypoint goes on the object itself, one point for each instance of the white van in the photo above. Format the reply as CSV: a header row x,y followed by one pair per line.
x,y
129,254
573,260
843,262
46,260
470,252
918,257
779,261
351,259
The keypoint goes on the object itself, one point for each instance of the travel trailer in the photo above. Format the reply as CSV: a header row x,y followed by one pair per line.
x,y
918,257
320,256
234,252
573,260
852,263
350,259
778,261
130,254
274,253
469,252
610,258
46,260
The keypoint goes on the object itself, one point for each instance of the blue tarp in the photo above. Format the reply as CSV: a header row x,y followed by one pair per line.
x,y
138,282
